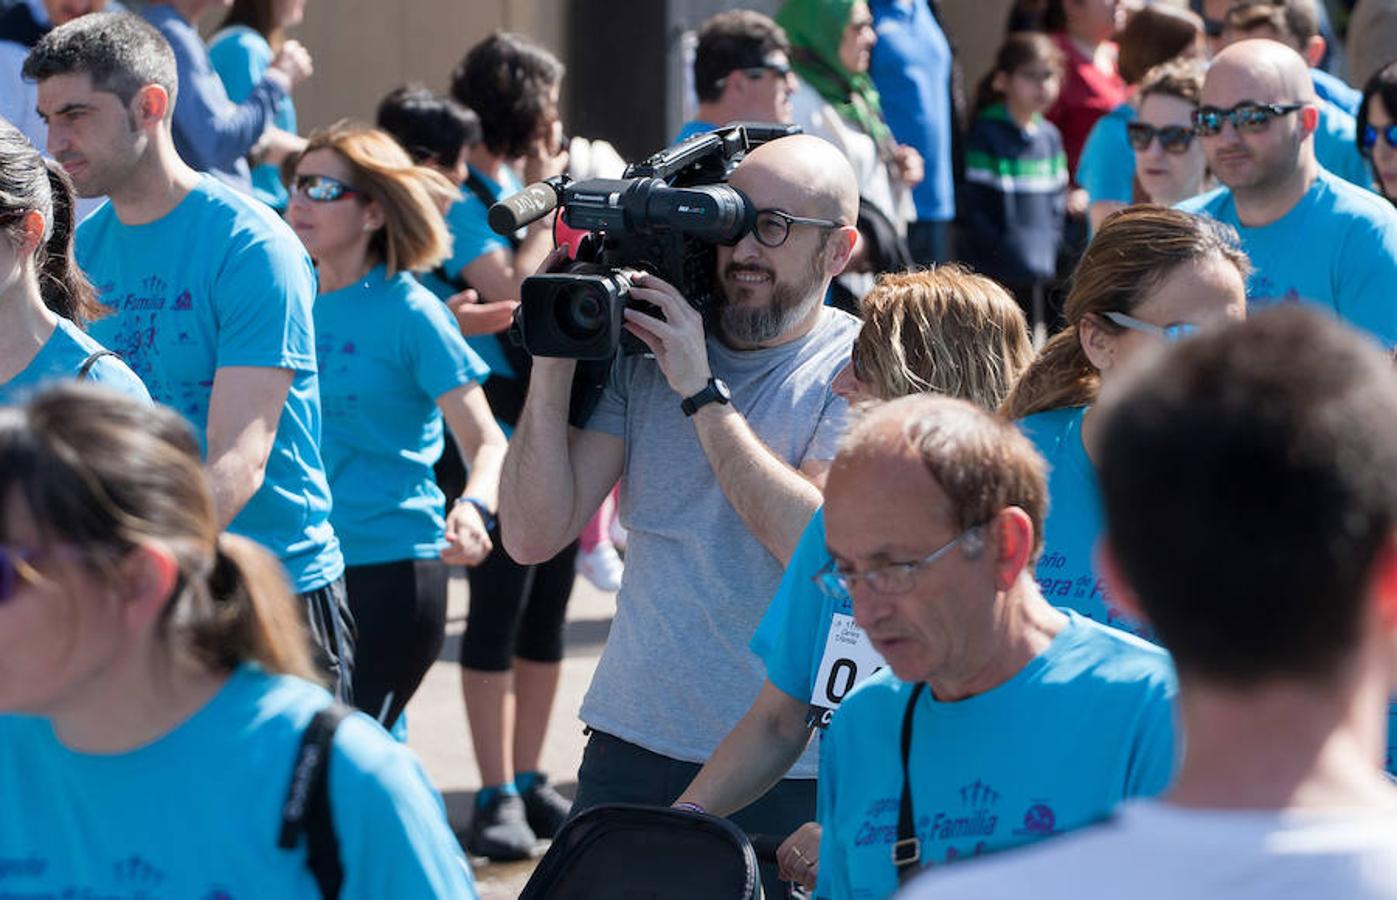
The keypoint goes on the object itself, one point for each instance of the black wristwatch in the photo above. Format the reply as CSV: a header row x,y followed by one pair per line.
x,y
715,392
486,516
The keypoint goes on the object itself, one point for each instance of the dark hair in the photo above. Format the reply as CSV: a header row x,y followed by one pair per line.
x,y
1383,84
97,470
1018,49
506,79
1055,17
1297,18
732,40
1134,250
259,15
1249,477
1155,35
1181,78
430,127
29,182
120,52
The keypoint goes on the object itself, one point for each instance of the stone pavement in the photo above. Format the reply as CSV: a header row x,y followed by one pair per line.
x,y
437,721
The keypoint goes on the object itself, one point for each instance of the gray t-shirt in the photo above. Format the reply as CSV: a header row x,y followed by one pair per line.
x,y
677,674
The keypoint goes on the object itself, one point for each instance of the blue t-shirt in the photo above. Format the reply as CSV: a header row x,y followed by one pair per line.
x,y
240,56
1336,91
1106,168
61,359
196,813
1086,724
1066,570
387,350
221,281
911,67
1336,146
691,128
1336,248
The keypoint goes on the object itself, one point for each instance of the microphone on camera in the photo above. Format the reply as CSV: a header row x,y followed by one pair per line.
x,y
529,205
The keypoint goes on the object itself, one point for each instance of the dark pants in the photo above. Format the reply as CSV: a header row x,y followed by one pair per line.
x,y
615,771
400,613
332,637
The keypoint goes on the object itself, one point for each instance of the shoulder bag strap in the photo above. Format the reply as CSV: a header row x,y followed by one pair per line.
x,y
307,807
907,852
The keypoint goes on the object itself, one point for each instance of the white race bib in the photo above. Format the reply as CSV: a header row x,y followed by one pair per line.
x,y
849,660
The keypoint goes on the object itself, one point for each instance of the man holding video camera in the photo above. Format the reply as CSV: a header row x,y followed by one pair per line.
x,y
721,441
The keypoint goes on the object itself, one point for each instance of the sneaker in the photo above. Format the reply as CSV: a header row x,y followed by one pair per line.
x,y
547,809
602,566
499,831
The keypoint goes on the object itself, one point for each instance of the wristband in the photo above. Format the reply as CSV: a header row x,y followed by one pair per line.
x,y
489,518
690,807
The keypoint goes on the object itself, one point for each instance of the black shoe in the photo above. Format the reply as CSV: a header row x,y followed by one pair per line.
x,y
547,809
499,831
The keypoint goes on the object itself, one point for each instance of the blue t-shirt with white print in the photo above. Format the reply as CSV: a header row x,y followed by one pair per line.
x,y
1336,248
62,358
220,281
1086,724
387,350
196,812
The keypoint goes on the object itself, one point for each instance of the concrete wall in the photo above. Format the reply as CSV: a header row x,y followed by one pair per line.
x,y
364,48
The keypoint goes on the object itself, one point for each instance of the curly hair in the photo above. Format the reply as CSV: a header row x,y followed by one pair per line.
x,y
507,79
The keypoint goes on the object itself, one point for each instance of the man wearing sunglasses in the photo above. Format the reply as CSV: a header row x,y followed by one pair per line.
x,y
1311,236
742,72
1004,720
720,441
211,296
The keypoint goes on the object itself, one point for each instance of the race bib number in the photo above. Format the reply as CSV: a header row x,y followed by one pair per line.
x,y
849,660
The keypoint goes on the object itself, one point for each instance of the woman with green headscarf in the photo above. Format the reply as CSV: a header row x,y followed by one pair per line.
x,y
831,46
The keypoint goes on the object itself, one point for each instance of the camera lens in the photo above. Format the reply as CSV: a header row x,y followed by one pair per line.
x,y
581,312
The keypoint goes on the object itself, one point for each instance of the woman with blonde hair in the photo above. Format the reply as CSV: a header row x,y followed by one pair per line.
x,y
1149,275
155,688
393,366
946,331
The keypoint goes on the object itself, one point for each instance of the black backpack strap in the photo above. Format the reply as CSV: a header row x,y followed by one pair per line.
x,y
307,807
86,368
907,852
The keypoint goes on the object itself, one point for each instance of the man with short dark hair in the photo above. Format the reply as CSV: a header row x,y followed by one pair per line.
x,y
742,72
1249,479
1311,236
1001,720
211,296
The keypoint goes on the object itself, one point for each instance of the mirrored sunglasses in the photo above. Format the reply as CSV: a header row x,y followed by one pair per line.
x,y
1246,118
1369,138
321,188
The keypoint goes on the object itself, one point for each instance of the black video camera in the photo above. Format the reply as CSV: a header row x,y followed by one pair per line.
x,y
666,215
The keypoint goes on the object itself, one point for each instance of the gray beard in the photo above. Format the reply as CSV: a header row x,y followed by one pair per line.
x,y
790,305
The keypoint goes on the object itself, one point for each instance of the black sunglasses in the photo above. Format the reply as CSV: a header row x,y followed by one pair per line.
x,y
321,188
1369,139
1246,118
1172,138
780,70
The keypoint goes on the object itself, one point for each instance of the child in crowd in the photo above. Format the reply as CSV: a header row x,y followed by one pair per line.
x,y
1015,194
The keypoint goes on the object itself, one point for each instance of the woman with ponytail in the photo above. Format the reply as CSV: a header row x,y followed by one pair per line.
x,y
155,685
45,300
1150,274
393,366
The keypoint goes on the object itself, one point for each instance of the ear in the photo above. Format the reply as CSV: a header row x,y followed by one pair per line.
x,y
31,234
1313,51
1309,118
149,573
1097,343
839,248
1384,583
1123,596
373,216
151,105
999,82
1012,540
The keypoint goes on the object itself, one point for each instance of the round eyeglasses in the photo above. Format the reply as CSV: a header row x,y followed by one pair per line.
x,y
772,226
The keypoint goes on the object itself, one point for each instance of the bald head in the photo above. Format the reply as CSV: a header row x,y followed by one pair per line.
x,y
811,172
1259,70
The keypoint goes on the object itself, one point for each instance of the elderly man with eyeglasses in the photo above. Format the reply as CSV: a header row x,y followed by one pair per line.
x,y
1001,720
1310,235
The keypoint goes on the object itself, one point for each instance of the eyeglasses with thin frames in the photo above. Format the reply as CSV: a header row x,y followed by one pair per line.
x,y
1246,117
1172,333
895,578
772,226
